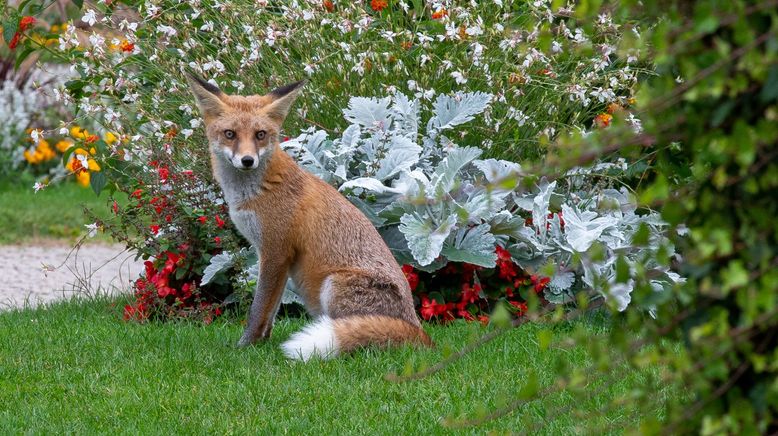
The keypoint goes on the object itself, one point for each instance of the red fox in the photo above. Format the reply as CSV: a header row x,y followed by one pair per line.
x,y
304,229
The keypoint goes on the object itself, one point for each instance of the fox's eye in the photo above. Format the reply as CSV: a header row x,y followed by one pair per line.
x,y
229,134
261,135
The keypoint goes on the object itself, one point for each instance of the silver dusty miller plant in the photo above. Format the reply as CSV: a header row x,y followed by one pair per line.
x,y
435,202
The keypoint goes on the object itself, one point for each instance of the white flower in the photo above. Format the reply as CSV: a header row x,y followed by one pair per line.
x,y
89,17
460,79
167,30
36,135
634,122
38,186
92,228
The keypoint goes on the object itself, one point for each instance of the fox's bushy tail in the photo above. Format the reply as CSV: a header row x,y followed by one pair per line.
x,y
327,337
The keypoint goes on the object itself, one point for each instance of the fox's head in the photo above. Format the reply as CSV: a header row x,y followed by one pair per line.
x,y
243,130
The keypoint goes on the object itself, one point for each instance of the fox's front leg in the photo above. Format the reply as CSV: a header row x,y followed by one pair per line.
x,y
267,298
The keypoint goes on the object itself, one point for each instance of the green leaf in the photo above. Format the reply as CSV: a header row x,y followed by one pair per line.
x,y
66,155
622,270
10,26
79,3
770,88
530,389
501,316
544,339
22,56
98,181
474,245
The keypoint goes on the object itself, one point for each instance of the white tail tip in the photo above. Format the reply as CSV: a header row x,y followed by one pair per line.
x,y
316,339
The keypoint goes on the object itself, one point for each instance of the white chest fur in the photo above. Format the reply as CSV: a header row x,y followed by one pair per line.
x,y
247,224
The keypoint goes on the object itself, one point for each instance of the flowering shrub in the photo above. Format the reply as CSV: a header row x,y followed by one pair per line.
x,y
27,105
177,222
528,68
545,69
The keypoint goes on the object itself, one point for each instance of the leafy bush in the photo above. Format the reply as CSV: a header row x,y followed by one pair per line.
x,y
435,202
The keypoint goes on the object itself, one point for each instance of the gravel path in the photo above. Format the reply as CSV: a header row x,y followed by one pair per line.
x,y
34,274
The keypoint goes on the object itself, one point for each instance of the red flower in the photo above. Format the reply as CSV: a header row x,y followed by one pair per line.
x,y
411,276
219,221
466,315
115,207
502,254
328,5
15,40
26,22
539,282
439,14
471,294
203,219
136,193
378,5
217,240
429,308
520,306
163,173
154,228
127,47
483,319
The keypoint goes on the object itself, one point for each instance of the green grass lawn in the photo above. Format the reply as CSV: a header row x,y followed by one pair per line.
x,y
76,367
55,212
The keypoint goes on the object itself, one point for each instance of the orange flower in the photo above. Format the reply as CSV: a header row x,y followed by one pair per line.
x,y
613,108
328,5
378,5
439,14
127,46
603,120
406,45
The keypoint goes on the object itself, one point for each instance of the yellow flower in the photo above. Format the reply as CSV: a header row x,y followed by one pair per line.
x,y
63,145
43,153
30,157
78,132
109,138
82,178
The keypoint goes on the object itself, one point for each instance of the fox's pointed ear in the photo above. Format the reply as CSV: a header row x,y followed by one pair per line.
x,y
209,97
282,99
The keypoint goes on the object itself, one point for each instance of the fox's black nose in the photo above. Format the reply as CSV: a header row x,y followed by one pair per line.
x,y
247,161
